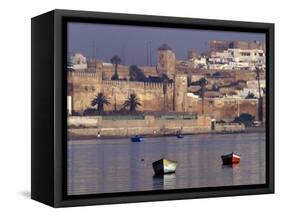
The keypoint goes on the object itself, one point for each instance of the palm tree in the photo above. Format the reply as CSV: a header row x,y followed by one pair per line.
x,y
133,102
202,83
116,60
136,74
250,96
100,100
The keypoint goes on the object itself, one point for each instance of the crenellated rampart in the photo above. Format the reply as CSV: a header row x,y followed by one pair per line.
x,y
87,85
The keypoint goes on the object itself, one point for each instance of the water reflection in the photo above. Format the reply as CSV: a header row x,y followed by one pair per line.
x,y
225,166
102,166
163,182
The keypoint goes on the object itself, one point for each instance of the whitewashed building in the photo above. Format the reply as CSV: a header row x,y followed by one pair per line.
x,y
78,61
237,59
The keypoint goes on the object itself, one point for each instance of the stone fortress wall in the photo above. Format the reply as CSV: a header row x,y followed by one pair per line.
x,y
223,109
83,87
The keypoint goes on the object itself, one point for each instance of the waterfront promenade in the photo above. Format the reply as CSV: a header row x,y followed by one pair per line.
x,y
104,126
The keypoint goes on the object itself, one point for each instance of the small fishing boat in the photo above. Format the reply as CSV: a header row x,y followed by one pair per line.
x,y
164,166
137,138
230,159
180,136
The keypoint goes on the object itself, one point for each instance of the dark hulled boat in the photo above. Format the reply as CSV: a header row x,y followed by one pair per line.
x,y
180,136
230,159
164,166
137,139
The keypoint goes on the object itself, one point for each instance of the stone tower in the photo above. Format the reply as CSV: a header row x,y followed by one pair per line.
x,y
95,66
180,90
166,63
192,54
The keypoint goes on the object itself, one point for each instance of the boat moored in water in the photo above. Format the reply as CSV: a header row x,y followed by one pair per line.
x,y
230,159
164,166
137,138
180,136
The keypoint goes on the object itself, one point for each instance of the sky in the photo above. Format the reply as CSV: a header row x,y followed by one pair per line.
x,y
130,43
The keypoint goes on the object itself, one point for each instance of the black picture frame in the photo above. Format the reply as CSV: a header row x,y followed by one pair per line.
x,y
49,115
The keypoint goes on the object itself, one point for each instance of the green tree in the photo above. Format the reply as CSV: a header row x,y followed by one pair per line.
x,y
100,100
136,74
115,60
90,112
245,118
250,96
132,102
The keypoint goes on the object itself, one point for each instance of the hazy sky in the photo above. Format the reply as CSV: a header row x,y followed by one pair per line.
x,y
130,42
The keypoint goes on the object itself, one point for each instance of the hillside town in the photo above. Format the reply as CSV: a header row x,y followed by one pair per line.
x,y
223,82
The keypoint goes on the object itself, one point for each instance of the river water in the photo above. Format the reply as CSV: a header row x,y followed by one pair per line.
x,y
118,165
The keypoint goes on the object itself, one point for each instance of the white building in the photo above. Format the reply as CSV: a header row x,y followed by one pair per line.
x,y
237,59
200,62
79,62
252,87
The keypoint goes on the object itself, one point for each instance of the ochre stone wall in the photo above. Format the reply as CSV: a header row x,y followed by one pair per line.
x,y
226,109
84,87
180,92
147,121
95,125
108,71
149,70
148,126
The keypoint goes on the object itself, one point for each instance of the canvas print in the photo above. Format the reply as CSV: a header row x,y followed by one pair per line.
x,y
157,108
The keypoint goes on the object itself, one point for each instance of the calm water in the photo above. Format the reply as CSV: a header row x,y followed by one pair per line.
x,y
115,165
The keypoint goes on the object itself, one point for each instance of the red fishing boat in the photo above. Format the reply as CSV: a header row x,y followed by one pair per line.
x,y
230,159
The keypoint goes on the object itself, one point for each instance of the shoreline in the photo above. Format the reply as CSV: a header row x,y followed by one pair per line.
x,y
73,137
